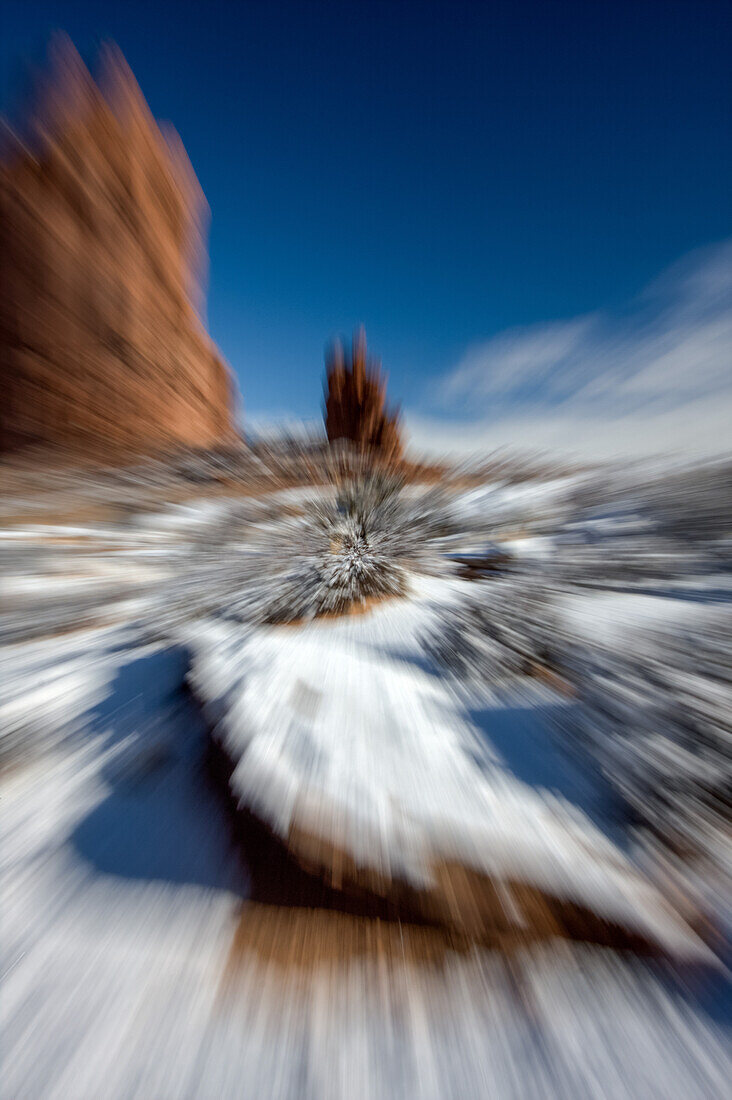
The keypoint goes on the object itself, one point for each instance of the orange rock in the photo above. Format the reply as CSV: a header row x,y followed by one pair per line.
x,y
355,403
102,260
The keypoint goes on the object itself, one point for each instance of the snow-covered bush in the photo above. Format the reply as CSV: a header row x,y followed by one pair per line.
x,y
329,551
346,550
338,561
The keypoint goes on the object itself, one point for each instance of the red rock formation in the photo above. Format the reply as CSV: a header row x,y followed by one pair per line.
x,y
101,243
355,403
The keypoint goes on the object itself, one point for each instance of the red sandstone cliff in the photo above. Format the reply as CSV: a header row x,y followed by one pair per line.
x,y
355,404
101,262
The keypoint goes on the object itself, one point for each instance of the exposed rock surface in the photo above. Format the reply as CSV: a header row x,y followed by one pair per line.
x,y
355,404
101,263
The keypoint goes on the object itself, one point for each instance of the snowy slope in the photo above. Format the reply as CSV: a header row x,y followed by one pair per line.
x,y
342,734
134,964
121,906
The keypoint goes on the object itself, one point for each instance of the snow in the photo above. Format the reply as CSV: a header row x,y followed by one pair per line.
x,y
122,901
611,616
339,730
501,501
49,685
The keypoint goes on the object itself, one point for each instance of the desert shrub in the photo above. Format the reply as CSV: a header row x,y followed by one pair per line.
x,y
653,712
357,547
656,715
506,628
354,541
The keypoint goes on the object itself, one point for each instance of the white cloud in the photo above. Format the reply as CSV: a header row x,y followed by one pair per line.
x,y
656,376
698,429
505,364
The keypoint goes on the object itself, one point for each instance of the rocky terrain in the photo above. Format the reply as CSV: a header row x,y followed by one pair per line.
x,y
355,401
102,267
398,831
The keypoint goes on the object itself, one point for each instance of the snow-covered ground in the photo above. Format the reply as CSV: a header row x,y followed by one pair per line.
x,y
123,899
342,733
133,960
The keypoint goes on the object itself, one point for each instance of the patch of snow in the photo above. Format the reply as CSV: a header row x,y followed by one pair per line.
x,y
339,730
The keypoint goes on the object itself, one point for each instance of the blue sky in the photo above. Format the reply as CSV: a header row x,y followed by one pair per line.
x,y
495,190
